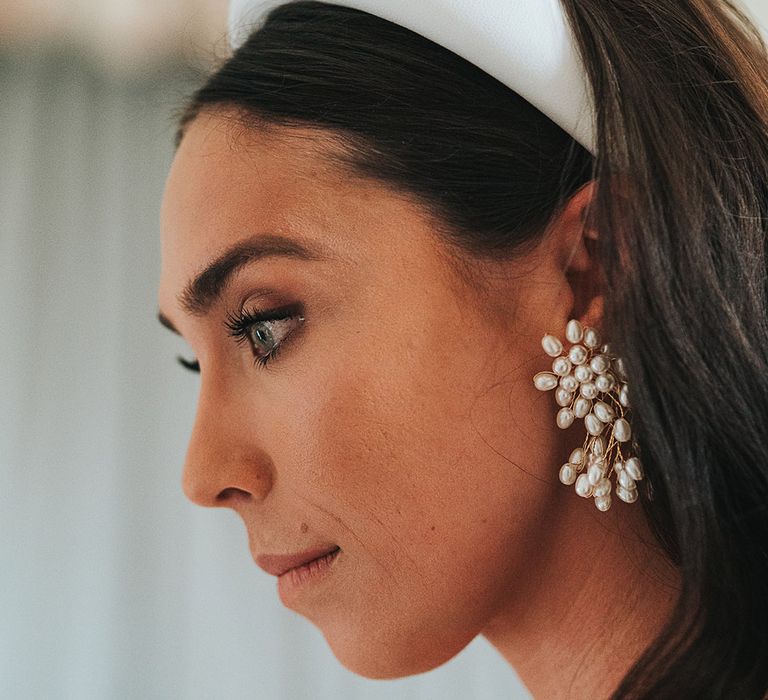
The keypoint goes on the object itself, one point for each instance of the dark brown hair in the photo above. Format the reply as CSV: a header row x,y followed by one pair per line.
x,y
681,206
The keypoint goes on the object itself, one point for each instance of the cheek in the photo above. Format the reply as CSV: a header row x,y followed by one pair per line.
x,y
428,467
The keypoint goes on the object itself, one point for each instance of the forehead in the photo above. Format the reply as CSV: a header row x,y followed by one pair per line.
x,y
221,160
228,183
225,178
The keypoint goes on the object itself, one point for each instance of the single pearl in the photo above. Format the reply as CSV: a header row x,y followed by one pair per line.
x,y
603,502
624,395
544,381
582,373
598,446
563,397
569,382
621,370
567,474
626,495
599,364
634,468
621,430
588,390
577,456
603,487
596,472
593,424
603,411
577,354
604,382
574,331
618,465
582,406
591,337
626,480
583,487
552,346
561,366
564,418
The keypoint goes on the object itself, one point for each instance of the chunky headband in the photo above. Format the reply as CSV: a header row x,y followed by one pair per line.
x,y
526,44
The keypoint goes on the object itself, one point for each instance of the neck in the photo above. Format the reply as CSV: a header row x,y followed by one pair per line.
x,y
596,594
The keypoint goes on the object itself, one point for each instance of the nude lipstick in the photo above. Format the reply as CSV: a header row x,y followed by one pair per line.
x,y
297,571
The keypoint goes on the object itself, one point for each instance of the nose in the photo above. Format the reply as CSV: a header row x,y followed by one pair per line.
x,y
224,465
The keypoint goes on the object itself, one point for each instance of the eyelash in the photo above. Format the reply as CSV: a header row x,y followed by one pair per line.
x,y
239,325
191,365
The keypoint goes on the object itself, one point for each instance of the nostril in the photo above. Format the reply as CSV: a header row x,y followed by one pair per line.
x,y
224,483
232,493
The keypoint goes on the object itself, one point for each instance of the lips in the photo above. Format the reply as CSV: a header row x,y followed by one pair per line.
x,y
278,564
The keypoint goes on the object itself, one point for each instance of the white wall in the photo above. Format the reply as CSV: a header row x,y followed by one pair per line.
x,y
759,11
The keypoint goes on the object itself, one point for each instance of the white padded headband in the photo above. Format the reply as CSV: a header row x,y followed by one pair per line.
x,y
526,44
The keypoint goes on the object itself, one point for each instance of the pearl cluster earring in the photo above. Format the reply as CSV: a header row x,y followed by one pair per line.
x,y
591,383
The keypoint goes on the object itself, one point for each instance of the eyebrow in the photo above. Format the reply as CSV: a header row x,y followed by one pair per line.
x,y
165,321
202,292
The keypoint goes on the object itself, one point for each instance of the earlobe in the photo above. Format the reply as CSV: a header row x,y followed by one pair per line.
x,y
574,249
587,298
584,275
593,315
579,258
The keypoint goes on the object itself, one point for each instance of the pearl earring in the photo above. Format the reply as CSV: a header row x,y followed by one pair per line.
x,y
591,383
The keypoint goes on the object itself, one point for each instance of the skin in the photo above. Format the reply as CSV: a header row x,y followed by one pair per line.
x,y
401,422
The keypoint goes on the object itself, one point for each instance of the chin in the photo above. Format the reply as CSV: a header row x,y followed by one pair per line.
x,y
381,654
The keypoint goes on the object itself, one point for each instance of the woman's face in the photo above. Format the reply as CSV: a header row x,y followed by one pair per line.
x,y
398,420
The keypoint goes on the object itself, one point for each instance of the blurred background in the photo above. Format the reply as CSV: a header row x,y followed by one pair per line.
x,y
112,584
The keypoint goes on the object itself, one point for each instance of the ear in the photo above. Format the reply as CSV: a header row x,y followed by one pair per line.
x,y
576,243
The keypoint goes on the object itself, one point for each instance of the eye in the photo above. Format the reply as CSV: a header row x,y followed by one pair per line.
x,y
265,331
191,365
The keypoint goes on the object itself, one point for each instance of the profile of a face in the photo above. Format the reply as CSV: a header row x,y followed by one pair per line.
x,y
395,417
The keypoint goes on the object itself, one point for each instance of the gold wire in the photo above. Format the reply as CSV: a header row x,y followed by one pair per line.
x,y
613,396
